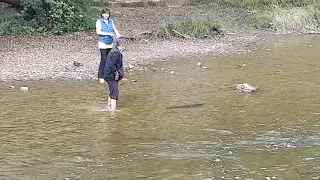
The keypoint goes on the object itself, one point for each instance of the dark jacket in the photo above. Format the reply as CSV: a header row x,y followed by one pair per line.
x,y
113,63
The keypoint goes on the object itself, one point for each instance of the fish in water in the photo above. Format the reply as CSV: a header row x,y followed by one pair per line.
x,y
245,87
78,64
186,106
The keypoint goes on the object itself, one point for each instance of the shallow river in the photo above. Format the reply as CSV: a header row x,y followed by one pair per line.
x,y
186,125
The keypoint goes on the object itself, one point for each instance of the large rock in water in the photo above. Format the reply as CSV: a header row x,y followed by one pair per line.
x,y
245,87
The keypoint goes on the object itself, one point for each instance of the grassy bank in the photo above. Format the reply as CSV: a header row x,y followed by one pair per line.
x,y
278,15
189,28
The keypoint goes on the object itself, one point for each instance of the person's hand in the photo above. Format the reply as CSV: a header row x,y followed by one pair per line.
x,y
116,77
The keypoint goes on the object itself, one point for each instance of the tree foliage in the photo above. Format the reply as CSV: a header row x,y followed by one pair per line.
x,y
56,16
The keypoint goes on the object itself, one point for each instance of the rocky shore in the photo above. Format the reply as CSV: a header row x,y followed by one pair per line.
x,y
52,57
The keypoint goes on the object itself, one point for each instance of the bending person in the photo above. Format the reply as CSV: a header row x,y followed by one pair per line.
x,y
113,72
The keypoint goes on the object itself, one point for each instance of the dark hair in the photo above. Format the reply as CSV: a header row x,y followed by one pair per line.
x,y
105,10
120,42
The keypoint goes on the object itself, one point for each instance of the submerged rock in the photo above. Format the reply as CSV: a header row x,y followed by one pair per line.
x,y
242,65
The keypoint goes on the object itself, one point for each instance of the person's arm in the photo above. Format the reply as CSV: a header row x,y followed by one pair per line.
x,y
115,30
99,31
113,61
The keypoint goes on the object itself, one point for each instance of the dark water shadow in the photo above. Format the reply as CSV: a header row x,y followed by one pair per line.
x,y
186,106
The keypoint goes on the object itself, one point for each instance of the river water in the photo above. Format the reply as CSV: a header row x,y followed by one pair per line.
x,y
189,124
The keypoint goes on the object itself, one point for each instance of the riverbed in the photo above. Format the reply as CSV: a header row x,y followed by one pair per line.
x,y
177,120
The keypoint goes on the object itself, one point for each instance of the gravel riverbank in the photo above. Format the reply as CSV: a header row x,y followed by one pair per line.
x,y
52,57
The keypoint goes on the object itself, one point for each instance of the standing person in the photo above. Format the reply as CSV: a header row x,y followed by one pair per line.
x,y
113,72
105,29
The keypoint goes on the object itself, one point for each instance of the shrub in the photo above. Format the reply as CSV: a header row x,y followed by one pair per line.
x,y
59,16
288,19
190,27
262,20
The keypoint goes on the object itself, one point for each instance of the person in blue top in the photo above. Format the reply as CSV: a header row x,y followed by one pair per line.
x,y
106,30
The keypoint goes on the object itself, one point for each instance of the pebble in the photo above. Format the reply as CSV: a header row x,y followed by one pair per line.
x,y
12,87
199,64
78,78
172,72
24,88
101,81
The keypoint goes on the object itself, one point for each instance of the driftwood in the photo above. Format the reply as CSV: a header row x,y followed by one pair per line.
x,y
182,35
149,34
229,33
313,32
138,36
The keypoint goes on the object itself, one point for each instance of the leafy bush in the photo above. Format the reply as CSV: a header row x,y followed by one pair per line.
x,y
59,16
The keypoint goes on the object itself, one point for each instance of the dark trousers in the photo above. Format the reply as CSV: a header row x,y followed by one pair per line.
x,y
113,89
104,54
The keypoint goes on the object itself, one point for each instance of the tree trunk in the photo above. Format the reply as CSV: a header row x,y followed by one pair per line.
x,y
15,3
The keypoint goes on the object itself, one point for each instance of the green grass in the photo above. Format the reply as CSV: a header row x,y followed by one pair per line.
x,y
257,3
278,15
287,19
192,27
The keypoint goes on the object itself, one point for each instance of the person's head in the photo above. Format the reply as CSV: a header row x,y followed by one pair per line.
x,y
105,13
121,44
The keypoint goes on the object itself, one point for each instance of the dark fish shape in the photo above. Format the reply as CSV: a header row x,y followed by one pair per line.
x,y
78,64
186,106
